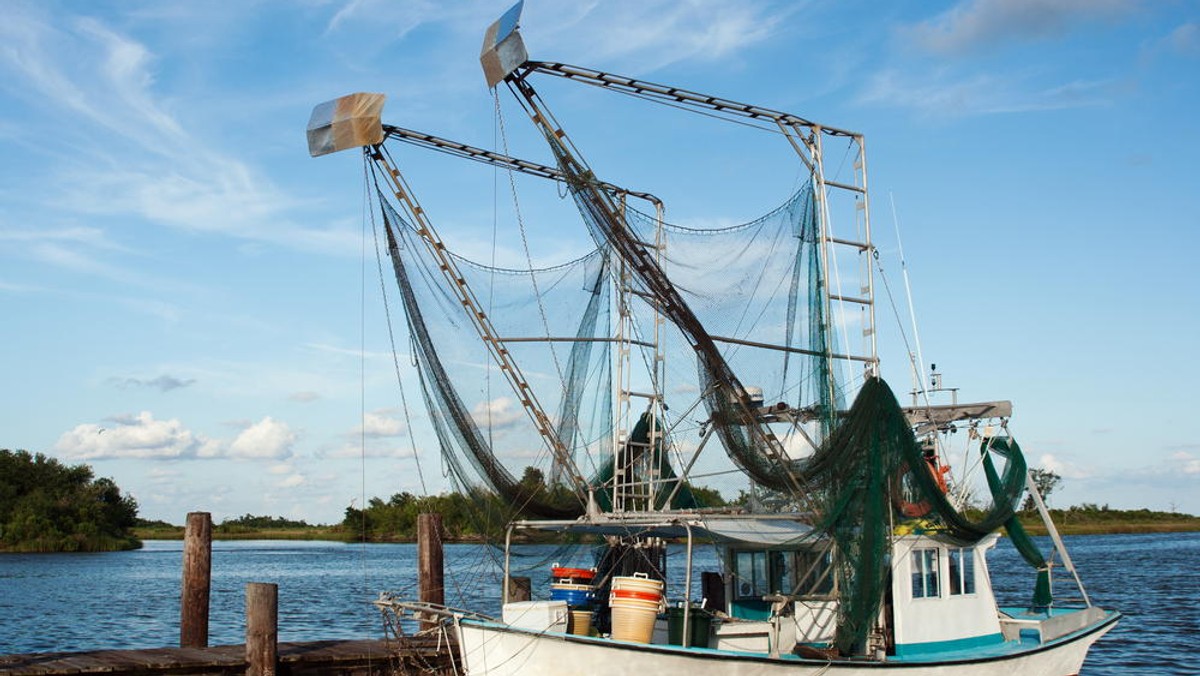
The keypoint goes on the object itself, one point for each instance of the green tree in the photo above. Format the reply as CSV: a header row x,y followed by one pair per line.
x,y
707,497
48,506
1046,481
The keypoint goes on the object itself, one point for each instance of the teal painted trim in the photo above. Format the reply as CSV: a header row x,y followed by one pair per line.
x,y
750,610
920,649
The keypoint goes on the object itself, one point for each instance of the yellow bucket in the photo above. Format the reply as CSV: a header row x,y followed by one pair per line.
x,y
581,622
633,624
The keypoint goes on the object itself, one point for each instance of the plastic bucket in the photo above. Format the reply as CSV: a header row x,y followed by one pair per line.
x,y
575,598
699,626
634,599
576,575
633,624
581,622
638,582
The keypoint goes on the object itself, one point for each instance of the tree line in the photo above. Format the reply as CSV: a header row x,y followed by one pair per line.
x,y
46,506
464,518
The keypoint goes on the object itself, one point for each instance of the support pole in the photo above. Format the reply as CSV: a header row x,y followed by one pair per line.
x,y
1054,536
430,574
262,628
197,570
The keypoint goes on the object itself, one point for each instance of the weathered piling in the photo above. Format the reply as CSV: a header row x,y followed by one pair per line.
x,y
262,629
430,573
197,571
519,589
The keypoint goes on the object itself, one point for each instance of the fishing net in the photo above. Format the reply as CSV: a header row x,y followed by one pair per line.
x,y
483,435
746,310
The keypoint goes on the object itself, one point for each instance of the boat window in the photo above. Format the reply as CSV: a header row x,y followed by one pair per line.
x,y
962,571
813,572
925,573
751,579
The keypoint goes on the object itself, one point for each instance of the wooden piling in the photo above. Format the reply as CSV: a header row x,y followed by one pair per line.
x,y
262,628
430,574
197,571
519,589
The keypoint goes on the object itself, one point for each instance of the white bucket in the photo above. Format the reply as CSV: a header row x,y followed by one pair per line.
x,y
638,582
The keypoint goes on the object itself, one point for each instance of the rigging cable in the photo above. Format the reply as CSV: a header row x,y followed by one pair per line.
x,y
499,115
392,341
918,374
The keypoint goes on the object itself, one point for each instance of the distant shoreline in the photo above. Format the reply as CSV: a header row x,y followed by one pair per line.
x,y
336,534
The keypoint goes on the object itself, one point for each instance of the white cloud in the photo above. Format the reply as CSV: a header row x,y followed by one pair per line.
x,y
292,481
134,436
1063,467
498,413
977,24
1186,463
378,424
266,439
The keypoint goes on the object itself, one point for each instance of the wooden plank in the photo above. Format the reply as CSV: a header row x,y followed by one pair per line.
x,y
363,657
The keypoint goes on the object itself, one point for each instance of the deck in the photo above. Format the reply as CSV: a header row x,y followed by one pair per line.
x,y
412,655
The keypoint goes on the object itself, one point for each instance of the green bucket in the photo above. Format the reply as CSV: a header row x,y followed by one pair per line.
x,y
699,626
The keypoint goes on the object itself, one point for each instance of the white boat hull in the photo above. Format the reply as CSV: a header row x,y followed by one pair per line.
x,y
493,649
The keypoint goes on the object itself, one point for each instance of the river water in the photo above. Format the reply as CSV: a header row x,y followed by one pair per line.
x,y
72,602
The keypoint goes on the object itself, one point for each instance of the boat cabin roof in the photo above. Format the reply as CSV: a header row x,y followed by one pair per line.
x,y
764,530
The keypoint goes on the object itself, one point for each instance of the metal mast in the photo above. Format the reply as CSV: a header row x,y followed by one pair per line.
x,y
502,58
629,493
333,128
807,139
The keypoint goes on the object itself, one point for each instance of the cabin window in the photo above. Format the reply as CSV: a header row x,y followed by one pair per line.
x,y
802,572
752,580
813,572
925,573
962,571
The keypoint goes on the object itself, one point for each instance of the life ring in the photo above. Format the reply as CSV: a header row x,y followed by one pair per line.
x,y
920,508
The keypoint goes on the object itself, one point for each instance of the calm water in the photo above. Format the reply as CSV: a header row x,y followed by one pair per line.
x,y
52,602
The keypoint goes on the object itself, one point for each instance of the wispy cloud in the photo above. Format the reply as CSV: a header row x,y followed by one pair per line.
x,y
374,448
975,25
1184,40
390,20
163,383
942,93
647,36
121,144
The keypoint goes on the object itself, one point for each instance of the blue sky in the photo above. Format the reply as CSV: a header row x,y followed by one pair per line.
x,y
190,306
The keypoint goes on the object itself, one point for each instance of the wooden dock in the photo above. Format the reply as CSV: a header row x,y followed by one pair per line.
x,y
411,655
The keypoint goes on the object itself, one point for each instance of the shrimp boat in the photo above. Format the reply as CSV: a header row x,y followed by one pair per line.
x,y
668,350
